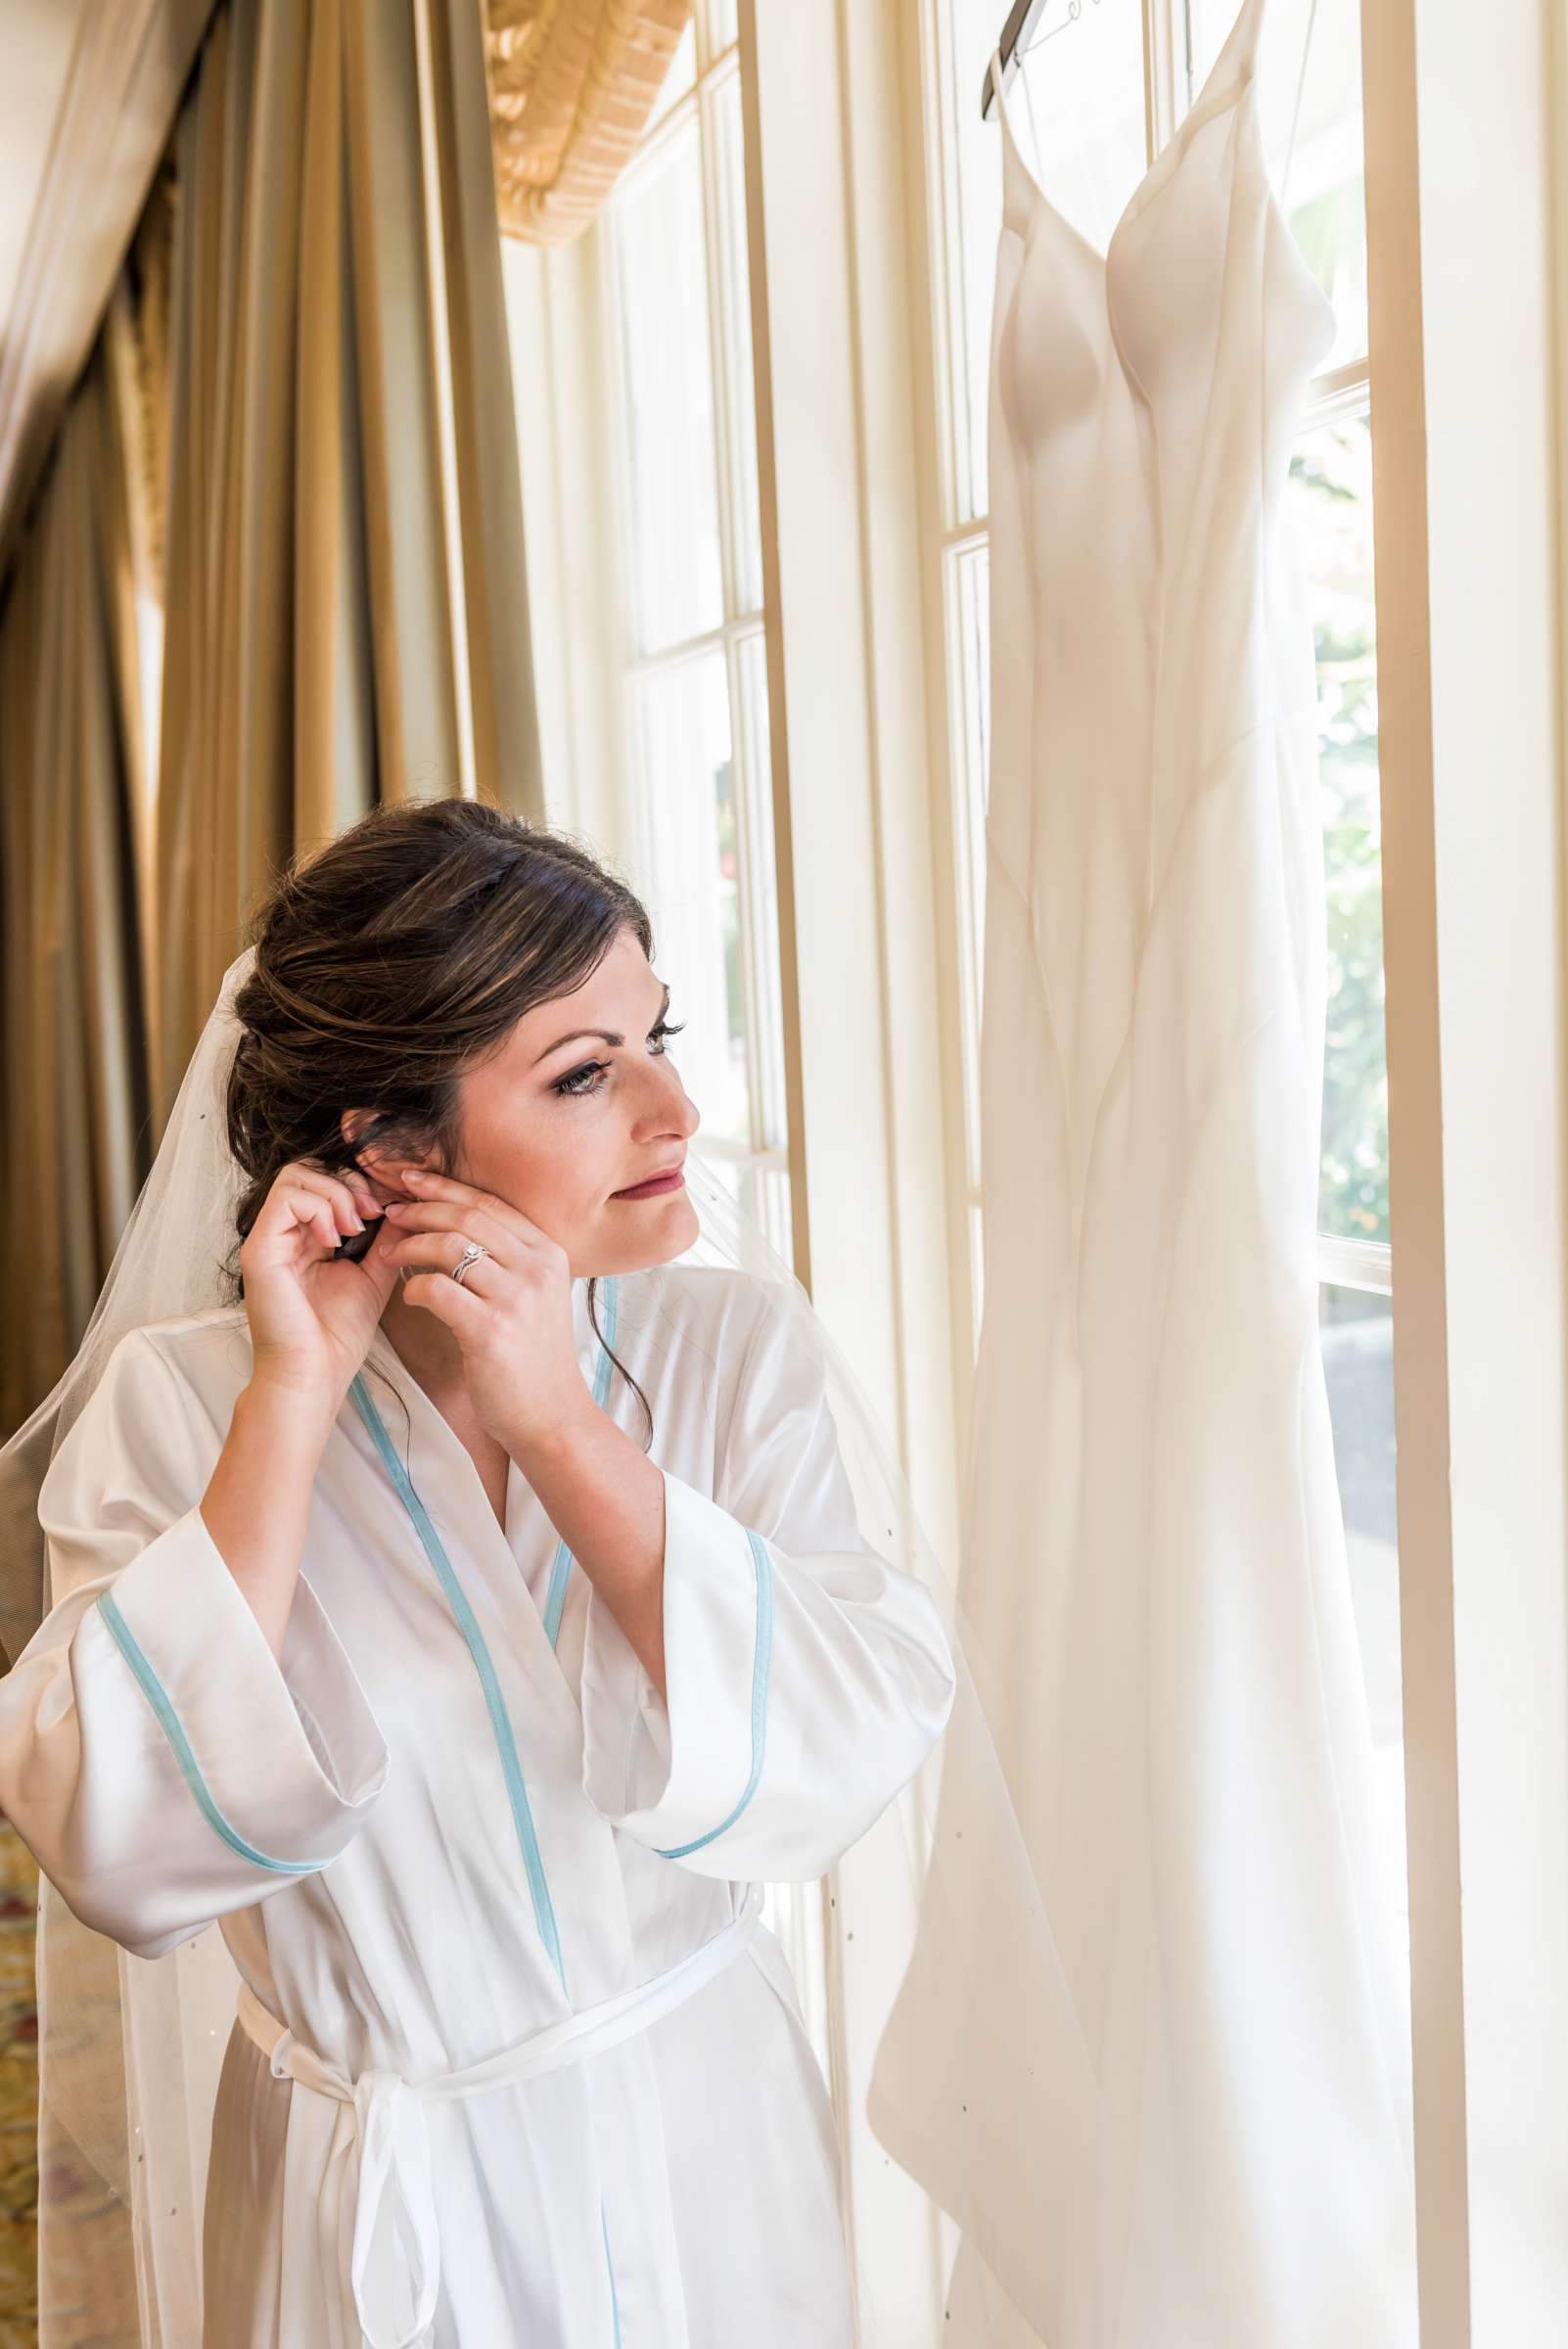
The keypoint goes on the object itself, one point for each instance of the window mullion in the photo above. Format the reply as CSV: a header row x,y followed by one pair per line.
x,y
720,338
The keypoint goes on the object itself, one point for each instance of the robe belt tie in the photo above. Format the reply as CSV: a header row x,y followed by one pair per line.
x,y
390,2111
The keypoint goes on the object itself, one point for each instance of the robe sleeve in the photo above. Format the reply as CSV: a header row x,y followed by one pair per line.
x,y
162,1765
807,1678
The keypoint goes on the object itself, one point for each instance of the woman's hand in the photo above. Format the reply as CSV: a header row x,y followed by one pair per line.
x,y
312,1315
511,1313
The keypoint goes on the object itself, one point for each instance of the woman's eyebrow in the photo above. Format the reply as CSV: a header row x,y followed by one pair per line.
x,y
606,1034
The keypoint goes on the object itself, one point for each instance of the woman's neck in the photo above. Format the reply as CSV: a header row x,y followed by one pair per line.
x,y
424,1345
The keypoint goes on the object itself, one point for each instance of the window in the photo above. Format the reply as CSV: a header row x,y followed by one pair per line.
x,y
878,214
678,343
676,356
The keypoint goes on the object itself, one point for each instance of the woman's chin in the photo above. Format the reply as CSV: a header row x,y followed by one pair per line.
x,y
673,1224
666,1225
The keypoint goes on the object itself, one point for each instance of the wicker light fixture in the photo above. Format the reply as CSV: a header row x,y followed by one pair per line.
x,y
571,84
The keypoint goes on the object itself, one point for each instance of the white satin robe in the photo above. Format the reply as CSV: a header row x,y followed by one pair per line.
x,y
436,1829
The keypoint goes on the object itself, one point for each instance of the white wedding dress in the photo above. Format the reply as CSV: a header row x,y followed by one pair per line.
x,y
1154,1548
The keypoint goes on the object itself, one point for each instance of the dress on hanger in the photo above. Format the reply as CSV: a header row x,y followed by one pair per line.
x,y
1155,1556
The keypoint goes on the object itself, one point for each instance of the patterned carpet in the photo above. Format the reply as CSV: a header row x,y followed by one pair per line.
x,y
19,2096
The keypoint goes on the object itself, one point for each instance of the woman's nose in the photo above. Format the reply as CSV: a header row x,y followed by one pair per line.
x,y
676,1106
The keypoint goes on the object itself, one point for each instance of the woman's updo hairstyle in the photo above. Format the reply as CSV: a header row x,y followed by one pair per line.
x,y
390,963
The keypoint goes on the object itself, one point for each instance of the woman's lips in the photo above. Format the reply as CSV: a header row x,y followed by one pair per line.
x,y
674,1180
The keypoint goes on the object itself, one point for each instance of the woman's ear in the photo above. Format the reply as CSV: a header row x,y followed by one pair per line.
x,y
371,1166
380,1168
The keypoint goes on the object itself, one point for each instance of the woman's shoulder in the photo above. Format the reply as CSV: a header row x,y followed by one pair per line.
x,y
178,1328
150,1416
209,1352
716,1306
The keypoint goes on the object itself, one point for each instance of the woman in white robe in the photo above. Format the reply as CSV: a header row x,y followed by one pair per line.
x,y
453,1823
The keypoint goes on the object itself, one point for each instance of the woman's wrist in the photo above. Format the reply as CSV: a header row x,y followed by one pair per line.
x,y
304,1414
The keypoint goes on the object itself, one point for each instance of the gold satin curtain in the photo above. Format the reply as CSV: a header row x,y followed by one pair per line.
x,y
74,1075
74,1133
347,595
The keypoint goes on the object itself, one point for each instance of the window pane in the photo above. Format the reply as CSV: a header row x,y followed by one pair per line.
x,y
1358,1341
1331,510
1324,196
682,730
720,27
660,250
735,329
678,80
1082,91
763,1191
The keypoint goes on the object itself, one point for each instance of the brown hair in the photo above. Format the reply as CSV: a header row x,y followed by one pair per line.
x,y
389,962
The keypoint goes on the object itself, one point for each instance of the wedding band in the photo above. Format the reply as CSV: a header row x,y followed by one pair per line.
x,y
470,1256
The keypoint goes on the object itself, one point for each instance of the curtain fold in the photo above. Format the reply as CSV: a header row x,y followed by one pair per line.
x,y
489,487
346,613
75,1144
75,1138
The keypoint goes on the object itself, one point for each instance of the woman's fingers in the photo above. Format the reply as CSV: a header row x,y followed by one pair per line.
x,y
349,1209
307,1206
467,1221
313,1200
346,1204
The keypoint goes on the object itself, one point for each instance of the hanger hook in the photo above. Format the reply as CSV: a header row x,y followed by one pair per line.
x,y
1074,8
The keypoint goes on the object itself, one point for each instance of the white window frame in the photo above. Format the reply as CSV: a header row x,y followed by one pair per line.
x,y
740,623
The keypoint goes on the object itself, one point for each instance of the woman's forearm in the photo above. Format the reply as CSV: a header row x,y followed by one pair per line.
x,y
258,1502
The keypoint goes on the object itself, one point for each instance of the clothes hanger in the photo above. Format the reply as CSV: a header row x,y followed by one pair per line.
x,y
1019,37
1017,40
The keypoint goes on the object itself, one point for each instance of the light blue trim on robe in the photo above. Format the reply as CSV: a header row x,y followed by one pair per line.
x,y
168,1722
610,2270
484,1664
561,1570
761,1655
501,1726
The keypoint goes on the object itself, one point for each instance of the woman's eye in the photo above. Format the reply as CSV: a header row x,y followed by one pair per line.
x,y
577,1083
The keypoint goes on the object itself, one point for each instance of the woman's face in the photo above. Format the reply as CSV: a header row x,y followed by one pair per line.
x,y
557,1123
